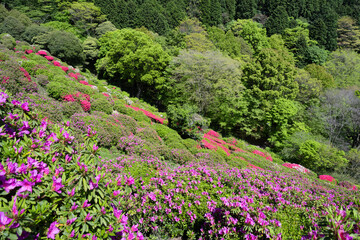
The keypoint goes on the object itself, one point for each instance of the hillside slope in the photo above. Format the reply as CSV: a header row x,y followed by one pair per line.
x,y
80,159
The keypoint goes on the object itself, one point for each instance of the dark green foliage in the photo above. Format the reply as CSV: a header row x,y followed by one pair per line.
x,y
118,11
12,26
66,46
3,12
174,12
186,121
277,22
151,15
324,28
210,12
245,9
33,31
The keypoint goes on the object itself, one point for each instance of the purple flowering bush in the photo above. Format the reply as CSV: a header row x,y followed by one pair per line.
x,y
52,187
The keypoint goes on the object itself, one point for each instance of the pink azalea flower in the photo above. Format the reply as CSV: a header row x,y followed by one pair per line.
x,y
53,230
4,220
25,186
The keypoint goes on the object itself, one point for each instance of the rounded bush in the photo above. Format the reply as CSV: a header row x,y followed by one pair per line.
x,y
102,105
57,90
7,40
70,108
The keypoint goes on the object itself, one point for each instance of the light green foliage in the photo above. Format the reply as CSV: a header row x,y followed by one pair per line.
x,y
269,76
198,42
252,32
320,73
171,138
57,90
13,26
103,28
63,26
320,157
86,16
7,40
211,82
344,66
292,35
195,36
309,87
280,120
131,56
233,46
102,105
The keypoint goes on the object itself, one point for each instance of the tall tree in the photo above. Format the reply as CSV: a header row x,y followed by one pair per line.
x,y
245,9
130,57
271,75
151,15
348,34
277,22
86,16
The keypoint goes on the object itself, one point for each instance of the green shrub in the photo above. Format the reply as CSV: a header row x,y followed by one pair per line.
x,y
8,41
180,156
119,105
138,115
190,144
12,26
320,157
83,88
102,105
210,157
13,79
70,108
57,90
150,135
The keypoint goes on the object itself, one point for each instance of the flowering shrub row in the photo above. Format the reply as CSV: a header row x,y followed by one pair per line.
x,y
149,114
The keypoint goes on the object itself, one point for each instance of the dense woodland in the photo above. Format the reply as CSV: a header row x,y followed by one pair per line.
x,y
278,80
